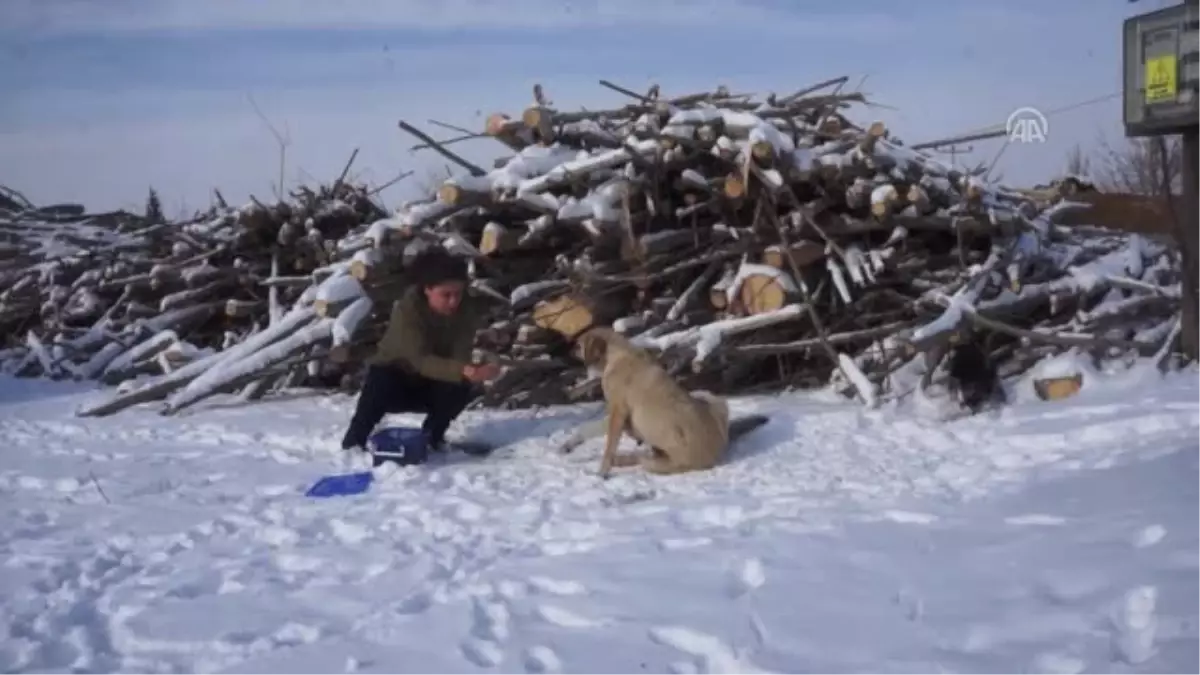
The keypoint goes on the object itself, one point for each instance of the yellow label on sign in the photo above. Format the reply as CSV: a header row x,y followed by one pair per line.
x,y
1160,79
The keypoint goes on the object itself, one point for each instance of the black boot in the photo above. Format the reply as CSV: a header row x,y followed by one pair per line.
x,y
446,401
384,390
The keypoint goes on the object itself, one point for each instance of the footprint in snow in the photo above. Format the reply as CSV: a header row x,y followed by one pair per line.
x,y
685,543
1071,587
491,621
207,584
712,517
292,634
560,548
1136,625
31,483
909,517
1149,536
712,654
354,664
1059,664
540,659
1035,519
748,576
512,590
347,532
556,586
276,536
565,618
483,653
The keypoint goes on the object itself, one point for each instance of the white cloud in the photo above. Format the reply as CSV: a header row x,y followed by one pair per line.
x,y
71,16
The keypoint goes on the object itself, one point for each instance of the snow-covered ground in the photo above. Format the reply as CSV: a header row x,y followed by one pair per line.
x,y
1053,537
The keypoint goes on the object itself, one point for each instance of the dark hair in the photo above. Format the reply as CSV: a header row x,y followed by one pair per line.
x,y
436,265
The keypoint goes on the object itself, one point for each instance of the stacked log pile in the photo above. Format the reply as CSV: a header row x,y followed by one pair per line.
x,y
751,244
113,296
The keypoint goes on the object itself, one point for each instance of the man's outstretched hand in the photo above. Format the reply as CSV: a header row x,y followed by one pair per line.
x,y
481,372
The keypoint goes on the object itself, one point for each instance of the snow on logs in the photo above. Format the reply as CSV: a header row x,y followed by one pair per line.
x,y
748,243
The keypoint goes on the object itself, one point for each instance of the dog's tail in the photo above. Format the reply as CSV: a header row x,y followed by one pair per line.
x,y
716,405
740,426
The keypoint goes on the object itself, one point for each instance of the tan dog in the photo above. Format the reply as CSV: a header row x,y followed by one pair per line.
x,y
685,431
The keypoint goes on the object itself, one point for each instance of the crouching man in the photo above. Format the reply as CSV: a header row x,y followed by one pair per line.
x,y
423,361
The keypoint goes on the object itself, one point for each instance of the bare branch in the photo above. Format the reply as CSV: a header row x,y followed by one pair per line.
x,y
1078,162
1140,166
283,139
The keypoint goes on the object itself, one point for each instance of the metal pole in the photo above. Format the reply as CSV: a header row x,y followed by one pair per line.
x,y
1187,233
1188,237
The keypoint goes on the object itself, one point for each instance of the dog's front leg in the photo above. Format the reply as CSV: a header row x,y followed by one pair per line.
x,y
617,415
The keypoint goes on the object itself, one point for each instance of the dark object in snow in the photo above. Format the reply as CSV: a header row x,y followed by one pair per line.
x,y
740,426
340,485
473,448
409,445
403,445
392,389
973,377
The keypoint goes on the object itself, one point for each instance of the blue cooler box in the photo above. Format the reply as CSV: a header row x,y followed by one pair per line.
x,y
402,445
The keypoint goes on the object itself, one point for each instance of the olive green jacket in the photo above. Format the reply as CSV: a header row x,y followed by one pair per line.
x,y
426,343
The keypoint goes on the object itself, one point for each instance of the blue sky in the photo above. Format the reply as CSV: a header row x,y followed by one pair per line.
x,y
106,98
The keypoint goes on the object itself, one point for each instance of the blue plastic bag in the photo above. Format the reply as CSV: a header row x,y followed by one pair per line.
x,y
341,485
402,445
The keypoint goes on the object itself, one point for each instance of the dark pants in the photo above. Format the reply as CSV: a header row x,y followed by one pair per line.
x,y
392,390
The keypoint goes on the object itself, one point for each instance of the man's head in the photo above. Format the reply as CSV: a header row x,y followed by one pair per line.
x,y
442,278
444,298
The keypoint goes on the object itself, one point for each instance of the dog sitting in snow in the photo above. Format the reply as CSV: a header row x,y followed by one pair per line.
x,y
974,381
684,431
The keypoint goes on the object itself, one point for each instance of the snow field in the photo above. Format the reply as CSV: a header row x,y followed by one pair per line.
x,y
1052,537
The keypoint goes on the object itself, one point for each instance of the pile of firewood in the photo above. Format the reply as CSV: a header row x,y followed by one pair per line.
x,y
114,296
753,245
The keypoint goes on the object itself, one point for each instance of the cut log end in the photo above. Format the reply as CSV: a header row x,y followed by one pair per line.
x,y
449,193
803,253
497,124
734,187
885,202
540,121
496,239
326,308
1058,388
242,308
761,293
974,192
868,141
762,151
831,126
918,197
360,270
718,298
